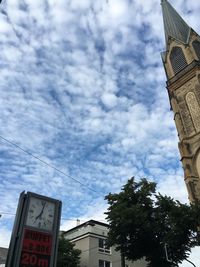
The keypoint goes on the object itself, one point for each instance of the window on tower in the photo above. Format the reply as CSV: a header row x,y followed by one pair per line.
x,y
196,46
177,59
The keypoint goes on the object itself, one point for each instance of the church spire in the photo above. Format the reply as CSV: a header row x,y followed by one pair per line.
x,y
182,65
174,25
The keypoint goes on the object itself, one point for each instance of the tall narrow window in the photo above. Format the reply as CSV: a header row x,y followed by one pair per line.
x,y
177,59
196,46
194,109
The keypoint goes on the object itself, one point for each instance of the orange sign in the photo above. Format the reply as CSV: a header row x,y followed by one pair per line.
x,y
36,249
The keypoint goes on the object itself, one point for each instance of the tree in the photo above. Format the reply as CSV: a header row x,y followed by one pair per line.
x,y
143,221
67,255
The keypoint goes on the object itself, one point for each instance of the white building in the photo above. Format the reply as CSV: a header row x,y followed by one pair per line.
x,y
3,255
90,238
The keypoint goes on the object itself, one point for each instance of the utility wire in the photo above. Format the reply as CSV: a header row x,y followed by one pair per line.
x,y
47,164
29,153
62,218
7,213
85,250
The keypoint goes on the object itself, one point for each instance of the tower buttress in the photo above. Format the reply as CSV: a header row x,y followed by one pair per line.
x,y
181,61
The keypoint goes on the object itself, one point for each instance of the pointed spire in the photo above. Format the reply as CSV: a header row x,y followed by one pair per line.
x,y
174,25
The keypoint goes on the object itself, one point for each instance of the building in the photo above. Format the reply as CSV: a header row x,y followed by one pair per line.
x,y
182,65
3,256
90,238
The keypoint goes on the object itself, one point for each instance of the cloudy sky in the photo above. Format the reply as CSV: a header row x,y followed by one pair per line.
x,y
83,103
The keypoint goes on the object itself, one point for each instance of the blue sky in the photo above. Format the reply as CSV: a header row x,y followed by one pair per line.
x,y
83,88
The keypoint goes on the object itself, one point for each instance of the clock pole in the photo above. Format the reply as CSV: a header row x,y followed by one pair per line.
x,y
14,246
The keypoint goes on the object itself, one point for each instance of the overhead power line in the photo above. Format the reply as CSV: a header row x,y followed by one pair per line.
x,y
47,164
7,213
62,218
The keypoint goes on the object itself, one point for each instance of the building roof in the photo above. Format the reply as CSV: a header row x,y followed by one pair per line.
x,y
90,222
174,25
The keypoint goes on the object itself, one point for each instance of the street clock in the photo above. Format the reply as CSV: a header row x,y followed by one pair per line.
x,y
41,213
34,238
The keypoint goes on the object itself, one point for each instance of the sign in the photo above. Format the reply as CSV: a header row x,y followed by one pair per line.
x,y
36,249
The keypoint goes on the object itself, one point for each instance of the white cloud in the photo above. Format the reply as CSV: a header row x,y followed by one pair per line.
x,y
4,237
194,258
95,211
117,9
109,100
173,185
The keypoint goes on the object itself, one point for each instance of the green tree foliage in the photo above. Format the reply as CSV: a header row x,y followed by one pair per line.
x,y
68,256
142,221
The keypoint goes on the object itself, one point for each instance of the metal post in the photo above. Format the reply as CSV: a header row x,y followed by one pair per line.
x,y
122,260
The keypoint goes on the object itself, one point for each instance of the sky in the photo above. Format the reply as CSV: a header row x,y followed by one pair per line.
x,y
83,104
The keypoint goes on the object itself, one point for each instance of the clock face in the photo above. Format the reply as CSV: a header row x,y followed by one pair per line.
x,y
40,214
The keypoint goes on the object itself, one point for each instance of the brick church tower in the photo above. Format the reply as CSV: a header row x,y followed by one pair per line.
x,y
181,61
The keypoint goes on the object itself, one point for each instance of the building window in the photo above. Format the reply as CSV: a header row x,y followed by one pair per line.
x,y
178,60
104,263
103,246
196,46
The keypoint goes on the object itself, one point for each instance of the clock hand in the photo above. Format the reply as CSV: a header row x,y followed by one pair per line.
x,y
40,214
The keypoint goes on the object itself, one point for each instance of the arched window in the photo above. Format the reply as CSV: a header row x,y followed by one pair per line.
x,y
177,59
196,46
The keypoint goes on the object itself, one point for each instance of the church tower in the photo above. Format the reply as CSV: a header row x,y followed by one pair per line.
x,y
181,61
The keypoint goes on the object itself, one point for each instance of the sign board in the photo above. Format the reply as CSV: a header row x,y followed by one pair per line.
x,y
36,249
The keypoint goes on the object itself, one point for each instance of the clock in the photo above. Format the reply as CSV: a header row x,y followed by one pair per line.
x,y
40,213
